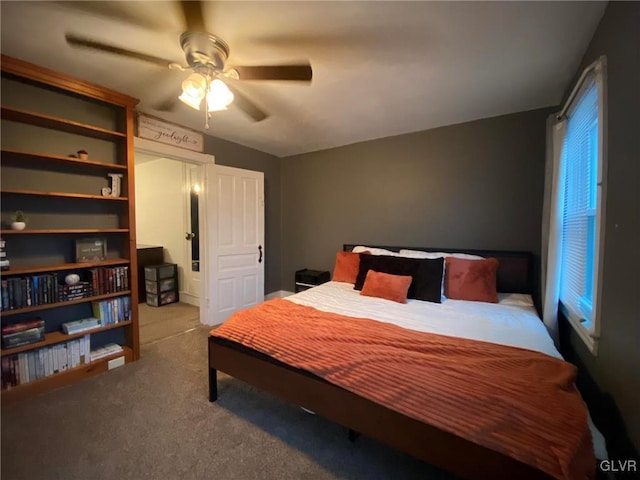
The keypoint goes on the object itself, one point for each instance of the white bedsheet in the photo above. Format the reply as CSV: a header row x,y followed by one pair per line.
x,y
513,321
502,323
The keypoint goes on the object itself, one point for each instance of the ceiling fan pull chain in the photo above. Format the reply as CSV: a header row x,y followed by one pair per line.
x,y
206,103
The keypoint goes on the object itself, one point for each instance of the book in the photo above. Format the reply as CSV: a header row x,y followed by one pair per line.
x,y
80,325
105,351
23,337
21,326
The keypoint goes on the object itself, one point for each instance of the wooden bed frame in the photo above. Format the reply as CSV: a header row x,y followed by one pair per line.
x,y
358,414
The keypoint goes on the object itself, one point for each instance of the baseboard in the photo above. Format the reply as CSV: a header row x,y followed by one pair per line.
x,y
190,299
278,294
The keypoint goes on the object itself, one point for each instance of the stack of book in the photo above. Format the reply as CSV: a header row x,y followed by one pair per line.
x,y
4,261
22,333
105,351
74,292
81,325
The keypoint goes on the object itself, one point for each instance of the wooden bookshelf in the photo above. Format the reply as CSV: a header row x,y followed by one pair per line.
x,y
89,108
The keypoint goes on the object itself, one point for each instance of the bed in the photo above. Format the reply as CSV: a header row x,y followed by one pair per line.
x,y
296,378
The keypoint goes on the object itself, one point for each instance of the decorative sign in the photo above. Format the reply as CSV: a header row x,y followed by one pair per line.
x,y
163,132
91,250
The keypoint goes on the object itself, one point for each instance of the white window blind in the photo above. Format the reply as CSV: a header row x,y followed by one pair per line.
x,y
581,205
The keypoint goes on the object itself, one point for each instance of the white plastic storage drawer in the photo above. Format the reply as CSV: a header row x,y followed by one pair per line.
x,y
163,285
162,299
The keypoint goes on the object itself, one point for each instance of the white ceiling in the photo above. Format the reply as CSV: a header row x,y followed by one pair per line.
x,y
379,68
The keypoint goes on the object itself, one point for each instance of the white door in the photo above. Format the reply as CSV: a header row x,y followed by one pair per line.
x,y
236,238
193,245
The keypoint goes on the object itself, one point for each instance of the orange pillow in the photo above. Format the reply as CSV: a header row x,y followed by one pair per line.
x,y
346,267
385,285
471,279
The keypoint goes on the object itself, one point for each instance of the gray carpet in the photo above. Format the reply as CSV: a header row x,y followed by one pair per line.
x,y
152,420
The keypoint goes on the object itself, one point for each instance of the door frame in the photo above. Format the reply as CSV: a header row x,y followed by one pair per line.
x,y
185,295
149,147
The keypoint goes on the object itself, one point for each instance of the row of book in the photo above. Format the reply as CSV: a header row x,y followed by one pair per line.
x,y
22,292
31,291
26,367
113,310
109,279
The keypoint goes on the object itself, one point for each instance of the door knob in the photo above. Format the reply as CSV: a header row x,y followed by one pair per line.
x,y
189,236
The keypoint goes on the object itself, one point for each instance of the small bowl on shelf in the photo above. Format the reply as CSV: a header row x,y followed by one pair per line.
x,y
18,225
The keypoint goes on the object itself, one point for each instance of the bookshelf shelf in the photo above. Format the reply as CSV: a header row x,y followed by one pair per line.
x,y
55,123
60,337
24,158
49,306
63,266
57,380
19,191
56,231
70,114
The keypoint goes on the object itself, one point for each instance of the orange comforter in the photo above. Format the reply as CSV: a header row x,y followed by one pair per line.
x,y
517,402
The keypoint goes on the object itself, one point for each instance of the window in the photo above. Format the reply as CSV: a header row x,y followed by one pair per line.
x,y
582,173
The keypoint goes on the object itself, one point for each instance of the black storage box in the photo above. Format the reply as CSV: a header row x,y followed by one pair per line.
x,y
310,278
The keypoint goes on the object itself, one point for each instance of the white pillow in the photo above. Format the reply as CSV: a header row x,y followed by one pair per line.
x,y
374,251
421,254
515,299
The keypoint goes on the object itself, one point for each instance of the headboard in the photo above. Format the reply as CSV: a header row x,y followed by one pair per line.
x,y
515,269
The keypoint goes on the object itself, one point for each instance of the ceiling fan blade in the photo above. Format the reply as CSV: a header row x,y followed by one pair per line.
x,y
76,41
194,20
246,105
295,73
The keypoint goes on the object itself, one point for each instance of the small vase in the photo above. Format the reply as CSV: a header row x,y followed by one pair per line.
x,y
18,225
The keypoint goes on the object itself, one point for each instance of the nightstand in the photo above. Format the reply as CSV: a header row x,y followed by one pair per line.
x,y
306,279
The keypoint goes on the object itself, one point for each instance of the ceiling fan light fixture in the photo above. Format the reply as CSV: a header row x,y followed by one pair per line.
x,y
194,88
219,96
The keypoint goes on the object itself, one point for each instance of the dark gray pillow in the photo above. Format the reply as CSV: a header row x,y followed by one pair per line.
x,y
426,272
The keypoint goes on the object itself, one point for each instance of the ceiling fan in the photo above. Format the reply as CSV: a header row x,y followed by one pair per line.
x,y
212,81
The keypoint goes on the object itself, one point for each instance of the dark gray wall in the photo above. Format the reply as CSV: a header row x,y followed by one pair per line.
x,y
234,155
616,369
473,185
